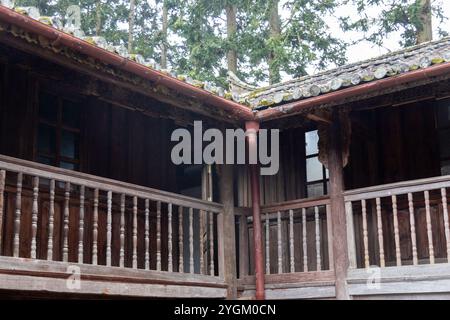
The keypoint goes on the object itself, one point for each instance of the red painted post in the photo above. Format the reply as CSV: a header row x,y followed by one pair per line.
x,y
252,128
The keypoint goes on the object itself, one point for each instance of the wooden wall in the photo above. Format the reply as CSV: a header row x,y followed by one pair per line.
x,y
393,144
288,183
116,142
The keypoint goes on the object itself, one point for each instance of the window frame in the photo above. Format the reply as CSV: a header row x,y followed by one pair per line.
x,y
324,179
57,159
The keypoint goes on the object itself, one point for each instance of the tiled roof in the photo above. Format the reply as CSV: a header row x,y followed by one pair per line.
x,y
389,65
121,50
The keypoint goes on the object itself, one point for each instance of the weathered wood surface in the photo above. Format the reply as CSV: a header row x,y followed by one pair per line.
x,y
404,187
297,277
406,227
100,226
11,265
325,291
90,181
51,223
18,214
110,288
401,280
27,275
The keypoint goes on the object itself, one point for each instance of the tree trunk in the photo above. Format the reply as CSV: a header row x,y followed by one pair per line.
x,y
425,33
98,17
275,32
165,24
231,11
131,26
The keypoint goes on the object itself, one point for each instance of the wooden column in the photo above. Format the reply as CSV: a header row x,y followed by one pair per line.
x,y
337,205
225,174
252,128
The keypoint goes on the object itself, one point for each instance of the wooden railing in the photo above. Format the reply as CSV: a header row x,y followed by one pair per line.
x,y
296,237
399,224
54,214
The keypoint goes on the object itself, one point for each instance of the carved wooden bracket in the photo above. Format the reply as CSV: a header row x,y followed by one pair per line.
x,y
324,138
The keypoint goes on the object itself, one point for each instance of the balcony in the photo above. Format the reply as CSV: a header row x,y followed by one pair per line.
x,y
399,239
65,232
73,233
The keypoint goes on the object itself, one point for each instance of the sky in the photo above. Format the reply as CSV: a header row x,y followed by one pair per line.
x,y
366,50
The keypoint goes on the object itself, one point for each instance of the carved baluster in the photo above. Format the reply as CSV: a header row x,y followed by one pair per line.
x,y
147,234
429,227
66,222
51,220
305,243
81,227
211,243
279,244
202,239
446,222
34,217
158,236
18,214
291,241
122,231
412,222
169,235
191,240
135,235
2,200
109,229
365,234
95,229
398,254
267,244
318,254
180,240
380,232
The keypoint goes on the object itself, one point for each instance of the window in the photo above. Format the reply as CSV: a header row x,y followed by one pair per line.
x,y
316,173
58,132
443,122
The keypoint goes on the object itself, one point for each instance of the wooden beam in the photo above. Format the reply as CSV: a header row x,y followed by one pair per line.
x,y
106,288
321,116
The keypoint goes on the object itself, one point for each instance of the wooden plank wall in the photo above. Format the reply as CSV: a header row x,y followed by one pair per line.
x,y
393,144
288,183
116,143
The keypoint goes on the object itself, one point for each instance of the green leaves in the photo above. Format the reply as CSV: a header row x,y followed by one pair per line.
x,y
271,43
405,16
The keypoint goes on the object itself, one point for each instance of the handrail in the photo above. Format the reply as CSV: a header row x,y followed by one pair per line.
x,y
105,184
398,188
296,204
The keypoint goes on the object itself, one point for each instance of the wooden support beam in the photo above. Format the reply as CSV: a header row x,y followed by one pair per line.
x,y
322,116
337,205
225,173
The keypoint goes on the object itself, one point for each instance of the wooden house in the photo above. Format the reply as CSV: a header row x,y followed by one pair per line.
x,y
91,204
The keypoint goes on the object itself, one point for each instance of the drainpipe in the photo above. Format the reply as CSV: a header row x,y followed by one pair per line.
x,y
252,128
